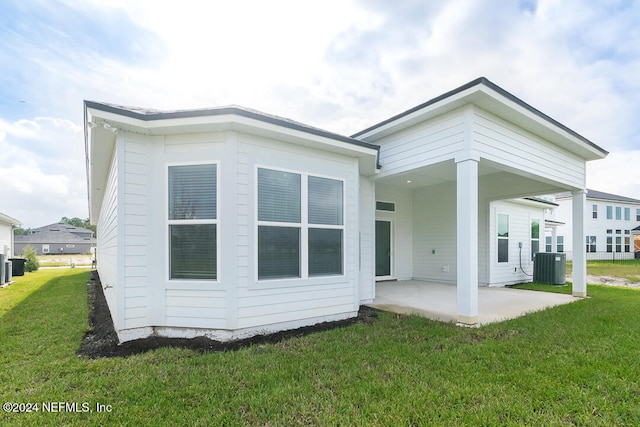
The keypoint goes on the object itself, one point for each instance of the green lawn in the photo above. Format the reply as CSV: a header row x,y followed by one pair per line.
x,y
628,269
574,364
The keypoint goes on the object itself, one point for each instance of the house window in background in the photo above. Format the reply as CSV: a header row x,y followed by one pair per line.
x,y
591,243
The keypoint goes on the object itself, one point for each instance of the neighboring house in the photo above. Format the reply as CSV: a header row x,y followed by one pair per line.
x,y
58,238
611,224
7,224
227,222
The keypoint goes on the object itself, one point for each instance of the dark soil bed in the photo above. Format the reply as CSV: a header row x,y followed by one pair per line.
x,y
102,340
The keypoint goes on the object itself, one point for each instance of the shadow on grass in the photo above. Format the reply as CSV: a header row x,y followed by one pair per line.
x,y
45,306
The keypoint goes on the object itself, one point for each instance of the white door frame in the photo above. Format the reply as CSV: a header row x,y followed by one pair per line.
x,y
391,275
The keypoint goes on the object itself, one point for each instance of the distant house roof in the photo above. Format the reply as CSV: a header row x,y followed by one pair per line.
x,y
9,220
600,195
58,233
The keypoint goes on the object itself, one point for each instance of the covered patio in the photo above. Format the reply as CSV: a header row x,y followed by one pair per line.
x,y
446,169
437,301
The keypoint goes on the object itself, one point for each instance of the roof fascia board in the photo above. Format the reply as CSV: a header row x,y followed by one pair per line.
x,y
475,92
9,220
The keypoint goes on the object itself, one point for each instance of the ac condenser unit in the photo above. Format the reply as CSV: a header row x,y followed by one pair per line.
x,y
550,268
2,267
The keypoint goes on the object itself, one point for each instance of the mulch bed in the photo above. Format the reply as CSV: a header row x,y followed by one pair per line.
x,y
102,340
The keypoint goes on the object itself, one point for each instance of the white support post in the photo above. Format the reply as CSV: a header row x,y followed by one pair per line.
x,y
467,239
579,255
554,239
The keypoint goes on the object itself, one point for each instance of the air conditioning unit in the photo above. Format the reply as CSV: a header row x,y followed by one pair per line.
x,y
550,268
2,268
8,272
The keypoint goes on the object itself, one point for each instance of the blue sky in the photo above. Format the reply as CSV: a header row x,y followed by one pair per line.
x,y
336,64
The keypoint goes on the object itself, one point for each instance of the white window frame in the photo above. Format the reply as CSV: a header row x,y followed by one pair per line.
x,y
534,239
169,222
498,238
304,230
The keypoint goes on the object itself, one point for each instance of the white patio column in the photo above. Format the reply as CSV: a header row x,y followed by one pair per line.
x,y
467,238
579,255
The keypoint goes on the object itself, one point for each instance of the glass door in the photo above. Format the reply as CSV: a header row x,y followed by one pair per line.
x,y
383,250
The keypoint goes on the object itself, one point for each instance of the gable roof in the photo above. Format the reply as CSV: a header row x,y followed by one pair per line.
x,y
57,233
493,98
600,195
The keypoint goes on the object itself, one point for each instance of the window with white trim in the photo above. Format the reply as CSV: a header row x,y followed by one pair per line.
x,y
535,237
192,219
591,243
618,212
300,225
503,237
609,212
627,214
595,212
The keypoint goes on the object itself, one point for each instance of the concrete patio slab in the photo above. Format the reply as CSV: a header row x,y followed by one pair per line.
x,y
438,301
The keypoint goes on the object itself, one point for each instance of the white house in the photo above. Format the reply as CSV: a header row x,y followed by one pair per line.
x,y
227,222
7,224
611,223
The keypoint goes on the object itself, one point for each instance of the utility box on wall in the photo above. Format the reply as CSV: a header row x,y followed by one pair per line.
x,y
550,268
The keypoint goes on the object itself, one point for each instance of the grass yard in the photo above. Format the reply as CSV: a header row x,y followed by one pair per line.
x,y
575,364
627,269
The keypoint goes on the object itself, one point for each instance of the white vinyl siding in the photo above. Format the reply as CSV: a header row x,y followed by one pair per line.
x,y
6,232
306,297
423,144
434,230
500,141
134,231
107,241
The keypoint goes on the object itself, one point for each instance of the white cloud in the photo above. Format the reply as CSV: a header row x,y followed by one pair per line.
x,y
618,173
337,64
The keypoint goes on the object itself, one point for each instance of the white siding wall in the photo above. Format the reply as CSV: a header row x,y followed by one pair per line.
x,y
520,216
133,230
6,232
402,227
423,144
135,211
434,229
268,302
367,240
194,304
107,241
502,142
